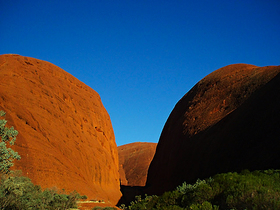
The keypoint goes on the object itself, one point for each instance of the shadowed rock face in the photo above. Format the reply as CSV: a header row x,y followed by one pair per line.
x,y
135,159
65,139
228,121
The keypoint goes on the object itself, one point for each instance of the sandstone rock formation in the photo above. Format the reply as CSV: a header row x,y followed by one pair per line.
x,y
65,139
228,121
134,161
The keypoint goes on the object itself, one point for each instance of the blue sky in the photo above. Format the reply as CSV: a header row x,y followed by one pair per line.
x,y
142,56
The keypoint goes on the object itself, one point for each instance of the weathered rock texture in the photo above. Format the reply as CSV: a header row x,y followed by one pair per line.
x,y
135,159
65,139
228,121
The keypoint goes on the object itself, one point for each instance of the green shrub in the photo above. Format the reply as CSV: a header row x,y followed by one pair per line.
x,y
204,206
184,188
246,190
103,208
142,203
18,192
7,155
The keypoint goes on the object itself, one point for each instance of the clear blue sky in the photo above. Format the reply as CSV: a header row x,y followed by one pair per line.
x,y
142,56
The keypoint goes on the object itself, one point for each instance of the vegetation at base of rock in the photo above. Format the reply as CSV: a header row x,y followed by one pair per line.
x,y
7,155
103,208
245,190
18,192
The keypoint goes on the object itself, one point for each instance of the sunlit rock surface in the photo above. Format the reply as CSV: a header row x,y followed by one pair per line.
x,y
65,139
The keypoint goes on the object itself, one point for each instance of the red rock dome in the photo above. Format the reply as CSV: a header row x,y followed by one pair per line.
x,y
65,139
228,121
135,159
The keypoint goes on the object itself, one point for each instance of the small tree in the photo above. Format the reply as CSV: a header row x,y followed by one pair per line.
x,y
7,155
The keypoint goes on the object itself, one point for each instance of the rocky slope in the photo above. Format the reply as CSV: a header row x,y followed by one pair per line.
x,y
228,121
65,139
134,161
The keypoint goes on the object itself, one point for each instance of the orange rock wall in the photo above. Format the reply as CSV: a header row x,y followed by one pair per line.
x,y
65,139
135,159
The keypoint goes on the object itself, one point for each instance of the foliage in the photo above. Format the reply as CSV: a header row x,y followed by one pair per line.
x,y
185,188
140,203
246,190
103,208
18,192
7,155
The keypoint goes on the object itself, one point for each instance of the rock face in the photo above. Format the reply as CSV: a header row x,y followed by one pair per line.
x,y
229,121
134,161
65,139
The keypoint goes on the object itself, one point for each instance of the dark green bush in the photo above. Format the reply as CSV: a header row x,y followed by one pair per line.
x,y
18,192
246,190
103,208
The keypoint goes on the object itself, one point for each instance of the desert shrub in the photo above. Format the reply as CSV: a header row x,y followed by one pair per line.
x,y
142,203
245,190
18,192
256,190
204,206
184,188
7,154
